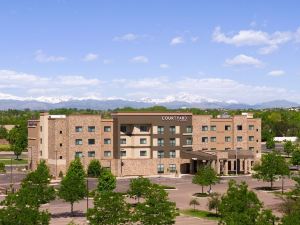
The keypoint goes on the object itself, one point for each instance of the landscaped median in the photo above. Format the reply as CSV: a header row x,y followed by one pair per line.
x,y
5,148
200,214
14,161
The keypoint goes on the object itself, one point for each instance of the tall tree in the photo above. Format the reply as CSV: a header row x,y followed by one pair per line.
x,y
289,147
270,143
3,132
138,187
106,181
94,168
17,138
73,186
205,176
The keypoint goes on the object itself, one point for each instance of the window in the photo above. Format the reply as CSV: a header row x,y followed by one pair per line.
x,y
204,139
226,149
60,157
213,139
251,127
107,153
189,141
123,153
189,129
107,128
91,128
172,168
239,138
123,129
227,127
143,153
204,128
160,168
239,127
251,138
172,154
239,149
41,128
78,129
78,154
60,144
91,153
160,129
213,149
107,141
160,142
123,141
78,142
160,154
143,128
251,148
227,139
172,129
172,141
60,131
213,128
91,141
41,140
143,141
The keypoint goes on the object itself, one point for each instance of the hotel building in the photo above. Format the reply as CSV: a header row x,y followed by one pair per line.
x,y
132,144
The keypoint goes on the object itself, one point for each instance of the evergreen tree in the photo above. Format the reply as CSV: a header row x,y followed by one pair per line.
x,y
94,168
106,181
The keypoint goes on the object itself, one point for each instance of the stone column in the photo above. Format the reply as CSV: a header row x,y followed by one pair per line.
x,y
225,167
245,166
218,166
213,164
241,165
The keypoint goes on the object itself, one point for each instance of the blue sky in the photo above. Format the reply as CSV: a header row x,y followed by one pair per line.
x,y
236,51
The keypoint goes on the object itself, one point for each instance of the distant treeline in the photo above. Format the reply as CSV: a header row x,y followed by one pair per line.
x,y
275,122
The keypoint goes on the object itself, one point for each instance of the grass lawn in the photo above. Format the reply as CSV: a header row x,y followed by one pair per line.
x,y
200,214
14,162
4,148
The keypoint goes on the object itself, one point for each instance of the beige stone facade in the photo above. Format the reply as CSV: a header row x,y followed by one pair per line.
x,y
132,144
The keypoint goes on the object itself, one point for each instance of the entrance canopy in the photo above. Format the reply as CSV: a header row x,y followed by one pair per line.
x,y
199,155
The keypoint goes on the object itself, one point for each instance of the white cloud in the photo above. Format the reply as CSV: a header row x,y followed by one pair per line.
x,y
177,40
139,59
90,57
194,39
268,49
297,35
245,60
126,37
41,57
164,66
276,73
78,81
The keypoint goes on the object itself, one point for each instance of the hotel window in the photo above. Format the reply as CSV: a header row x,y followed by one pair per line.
x,y
204,128
213,139
239,149
123,141
172,141
91,153
41,140
143,128
172,154
123,129
143,141
107,141
78,129
227,139
160,154
172,168
60,157
107,153
213,149
227,127
78,154
78,142
160,168
251,148
239,127
189,141
91,141
172,129
239,138
160,142
60,144
213,128
251,138
123,153
41,128
226,149
60,131
160,129
107,128
251,127
204,139
189,129
91,128
143,153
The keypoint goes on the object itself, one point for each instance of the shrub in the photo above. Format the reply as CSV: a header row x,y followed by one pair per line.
x,y
94,168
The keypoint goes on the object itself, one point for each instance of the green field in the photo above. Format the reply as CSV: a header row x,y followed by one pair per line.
x,y
200,214
4,148
14,161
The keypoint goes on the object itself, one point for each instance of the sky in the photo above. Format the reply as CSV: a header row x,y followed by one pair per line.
x,y
150,50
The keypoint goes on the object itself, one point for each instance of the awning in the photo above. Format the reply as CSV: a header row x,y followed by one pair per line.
x,y
199,155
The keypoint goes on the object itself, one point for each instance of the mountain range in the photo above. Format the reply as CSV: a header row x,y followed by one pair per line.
x,y
6,104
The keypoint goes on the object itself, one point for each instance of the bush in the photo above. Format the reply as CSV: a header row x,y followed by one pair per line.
x,y
5,148
2,167
94,168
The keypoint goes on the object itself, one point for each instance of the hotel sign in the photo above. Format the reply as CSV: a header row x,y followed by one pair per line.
x,y
174,118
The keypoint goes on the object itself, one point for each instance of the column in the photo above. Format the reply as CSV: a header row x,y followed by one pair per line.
x,y
225,167
213,164
245,166
218,166
241,165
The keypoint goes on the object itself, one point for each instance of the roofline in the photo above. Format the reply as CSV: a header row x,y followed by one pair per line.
x,y
151,113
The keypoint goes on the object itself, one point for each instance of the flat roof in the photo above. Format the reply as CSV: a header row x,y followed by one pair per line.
x,y
152,114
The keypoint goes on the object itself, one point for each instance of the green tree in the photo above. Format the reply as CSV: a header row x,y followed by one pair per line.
x,y
138,187
110,208
205,176
271,166
73,186
289,147
214,202
3,132
94,168
266,218
194,202
295,160
156,209
270,143
106,181
2,167
17,138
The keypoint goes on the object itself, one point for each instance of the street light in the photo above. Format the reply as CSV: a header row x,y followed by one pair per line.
x,y
87,186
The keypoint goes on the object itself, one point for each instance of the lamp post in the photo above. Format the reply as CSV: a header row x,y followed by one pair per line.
x,y
87,185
